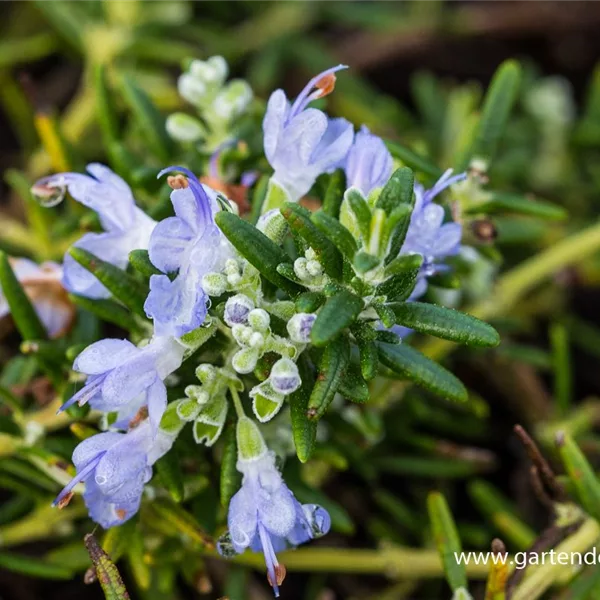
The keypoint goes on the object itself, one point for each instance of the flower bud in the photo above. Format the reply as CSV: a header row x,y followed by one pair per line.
x,y
237,309
259,319
250,442
184,128
314,268
206,373
300,268
233,100
214,284
212,71
244,360
284,377
191,89
273,225
300,326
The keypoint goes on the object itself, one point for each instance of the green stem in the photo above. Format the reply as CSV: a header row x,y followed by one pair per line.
x,y
239,409
396,563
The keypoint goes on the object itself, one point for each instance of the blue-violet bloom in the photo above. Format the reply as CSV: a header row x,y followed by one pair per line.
x,y
427,233
126,227
369,163
115,467
190,245
301,143
265,516
124,378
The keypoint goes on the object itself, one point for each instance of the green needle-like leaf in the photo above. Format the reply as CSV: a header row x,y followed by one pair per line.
x,y
411,364
304,430
257,249
334,194
168,469
24,315
119,283
447,540
332,367
107,573
140,261
445,323
299,220
337,233
230,476
523,205
339,312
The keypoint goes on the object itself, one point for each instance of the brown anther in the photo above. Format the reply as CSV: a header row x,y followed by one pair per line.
x,y
498,546
326,84
65,500
90,576
280,573
177,182
42,190
121,513
311,413
484,230
140,415
203,584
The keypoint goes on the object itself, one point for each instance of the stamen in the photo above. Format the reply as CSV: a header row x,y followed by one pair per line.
x,y
140,416
64,501
326,84
280,573
121,513
177,182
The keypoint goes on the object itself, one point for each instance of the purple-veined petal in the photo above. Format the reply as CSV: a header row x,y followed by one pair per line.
x,y
168,244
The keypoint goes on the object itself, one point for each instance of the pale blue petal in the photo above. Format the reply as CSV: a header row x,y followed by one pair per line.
x,y
242,518
168,243
104,355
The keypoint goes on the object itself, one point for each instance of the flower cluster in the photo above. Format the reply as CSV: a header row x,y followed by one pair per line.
x,y
210,279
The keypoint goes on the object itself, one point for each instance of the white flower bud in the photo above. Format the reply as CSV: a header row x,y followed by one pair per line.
x,y
273,225
214,284
300,326
191,89
231,266
259,319
212,71
300,268
206,373
256,340
310,254
284,376
234,278
244,360
237,309
233,100
184,128
314,268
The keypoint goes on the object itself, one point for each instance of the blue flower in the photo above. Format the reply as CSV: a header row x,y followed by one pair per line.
x,y
265,516
123,377
115,467
301,143
368,164
427,233
190,245
126,226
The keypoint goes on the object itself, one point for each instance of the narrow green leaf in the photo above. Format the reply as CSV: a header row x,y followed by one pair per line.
x,y
336,232
400,286
116,539
498,102
386,314
362,212
107,310
106,112
309,302
169,471
415,366
299,220
339,312
369,358
256,248
413,160
364,262
26,319
304,430
181,521
120,284
332,367
140,261
334,195
388,337
445,323
107,573
581,474
353,387
287,270
523,205
149,119
230,477
258,198
139,568
446,540
33,567
404,264
398,190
